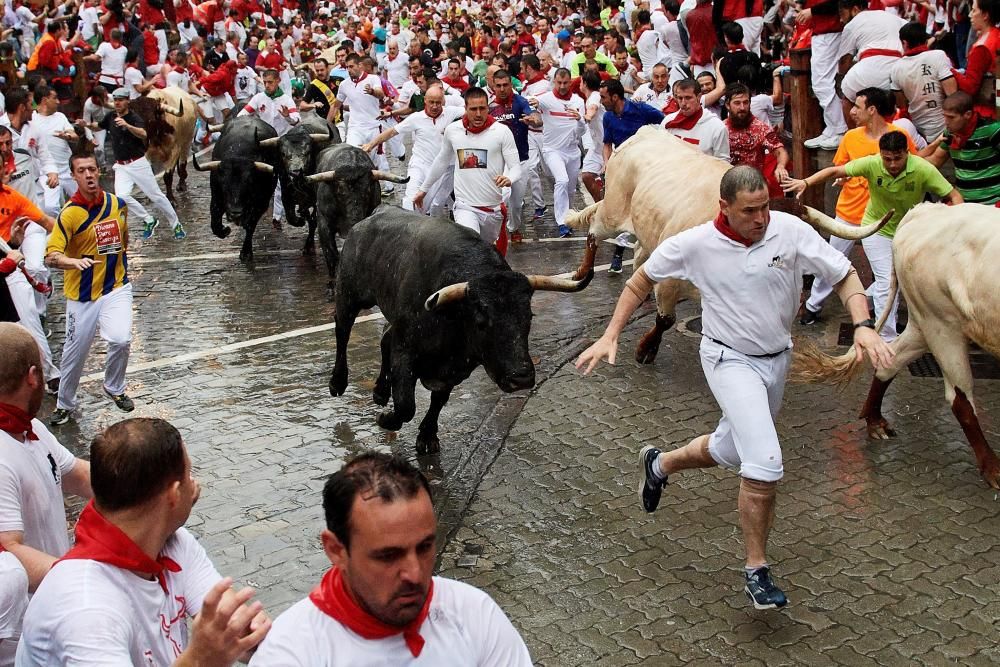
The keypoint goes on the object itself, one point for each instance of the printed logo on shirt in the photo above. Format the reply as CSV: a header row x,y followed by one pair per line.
x,y
109,237
55,468
777,262
166,626
471,158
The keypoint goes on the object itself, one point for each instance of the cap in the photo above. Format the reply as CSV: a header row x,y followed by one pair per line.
x,y
120,93
563,34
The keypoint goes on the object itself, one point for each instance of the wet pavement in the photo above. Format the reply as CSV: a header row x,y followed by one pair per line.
x,y
889,552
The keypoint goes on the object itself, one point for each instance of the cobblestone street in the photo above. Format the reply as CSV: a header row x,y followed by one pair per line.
x,y
889,551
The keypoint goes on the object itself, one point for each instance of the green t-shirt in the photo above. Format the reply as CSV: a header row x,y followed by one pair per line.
x,y
977,163
900,193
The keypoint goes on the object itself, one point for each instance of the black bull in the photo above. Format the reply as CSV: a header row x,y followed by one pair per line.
x,y
242,178
452,304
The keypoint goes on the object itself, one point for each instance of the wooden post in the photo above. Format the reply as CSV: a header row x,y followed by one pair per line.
x,y
806,123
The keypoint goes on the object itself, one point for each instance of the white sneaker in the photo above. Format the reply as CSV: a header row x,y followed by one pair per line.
x,y
831,143
815,141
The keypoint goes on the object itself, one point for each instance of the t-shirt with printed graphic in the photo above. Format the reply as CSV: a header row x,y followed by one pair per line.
x,y
98,231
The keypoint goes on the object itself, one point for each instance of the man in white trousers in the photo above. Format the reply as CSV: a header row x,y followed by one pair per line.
x,y
562,126
89,244
427,128
535,84
822,17
484,157
362,93
275,107
127,132
749,264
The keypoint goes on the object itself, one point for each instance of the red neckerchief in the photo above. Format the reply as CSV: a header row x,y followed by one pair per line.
x,y
78,198
915,50
180,70
638,33
738,47
682,122
722,224
332,598
958,140
16,421
358,80
100,540
671,107
538,76
476,130
568,96
507,104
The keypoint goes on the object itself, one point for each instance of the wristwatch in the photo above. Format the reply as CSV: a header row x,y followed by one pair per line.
x,y
870,323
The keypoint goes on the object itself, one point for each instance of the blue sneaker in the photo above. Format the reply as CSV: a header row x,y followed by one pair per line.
x,y
565,231
539,212
148,227
762,591
179,233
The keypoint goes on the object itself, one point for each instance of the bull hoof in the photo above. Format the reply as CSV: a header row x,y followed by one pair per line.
x,y
646,351
879,429
223,232
246,256
381,395
338,382
428,444
990,470
173,202
388,420
309,249
182,187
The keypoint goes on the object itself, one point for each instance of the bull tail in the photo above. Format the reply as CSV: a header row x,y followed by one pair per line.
x,y
581,219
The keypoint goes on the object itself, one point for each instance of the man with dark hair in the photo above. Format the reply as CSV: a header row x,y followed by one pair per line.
x,y
745,348
692,124
897,181
123,594
516,113
321,93
751,140
973,143
921,79
379,603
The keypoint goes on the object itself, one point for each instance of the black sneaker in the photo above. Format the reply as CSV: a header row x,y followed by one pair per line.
x,y
762,591
616,264
808,317
123,402
52,387
652,484
59,417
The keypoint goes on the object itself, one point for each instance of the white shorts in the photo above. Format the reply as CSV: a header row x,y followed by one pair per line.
x,y
593,161
485,223
872,72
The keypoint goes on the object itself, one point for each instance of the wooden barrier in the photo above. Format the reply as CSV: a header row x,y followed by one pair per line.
x,y
806,123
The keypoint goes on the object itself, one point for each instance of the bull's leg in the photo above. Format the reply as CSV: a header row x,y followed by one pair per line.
x,y
249,227
383,385
168,185
328,241
427,436
589,255
310,246
907,347
404,382
667,293
182,171
346,313
217,210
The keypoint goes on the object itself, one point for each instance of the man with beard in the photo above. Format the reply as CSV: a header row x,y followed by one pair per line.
x,y
321,92
379,604
752,141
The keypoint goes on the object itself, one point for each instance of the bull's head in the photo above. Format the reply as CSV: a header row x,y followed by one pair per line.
x,y
355,189
239,182
297,150
496,310
158,131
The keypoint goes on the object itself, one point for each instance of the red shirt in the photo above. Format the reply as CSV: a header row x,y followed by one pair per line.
x,y
150,48
747,145
272,60
701,32
151,15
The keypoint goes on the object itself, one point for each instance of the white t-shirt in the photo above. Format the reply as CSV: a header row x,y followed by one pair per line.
x,y
595,135
31,494
709,134
112,62
919,78
427,132
397,70
871,29
88,19
268,111
560,129
246,83
48,126
90,613
478,159
648,47
133,78
749,296
657,100
13,595
672,39
180,79
364,107
464,627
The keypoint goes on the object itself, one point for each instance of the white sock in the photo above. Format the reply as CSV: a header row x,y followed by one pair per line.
x,y
657,470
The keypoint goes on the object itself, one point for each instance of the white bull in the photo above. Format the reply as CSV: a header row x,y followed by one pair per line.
x,y
945,263
656,186
172,152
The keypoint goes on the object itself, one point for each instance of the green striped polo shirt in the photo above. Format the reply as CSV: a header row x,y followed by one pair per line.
x,y
977,163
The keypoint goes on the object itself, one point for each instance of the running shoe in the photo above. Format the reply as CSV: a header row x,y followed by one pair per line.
x,y
652,483
179,233
616,264
808,317
565,231
763,593
148,227
516,236
59,417
123,402
539,212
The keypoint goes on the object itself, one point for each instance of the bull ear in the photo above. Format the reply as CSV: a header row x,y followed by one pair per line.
x,y
552,284
445,295
269,143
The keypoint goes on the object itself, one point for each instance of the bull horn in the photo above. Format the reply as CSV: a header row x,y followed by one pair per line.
x,y
322,177
445,295
208,166
269,143
216,128
825,223
319,136
264,167
551,284
173,111
386,176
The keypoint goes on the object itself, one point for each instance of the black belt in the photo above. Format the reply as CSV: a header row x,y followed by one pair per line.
x,y
771,355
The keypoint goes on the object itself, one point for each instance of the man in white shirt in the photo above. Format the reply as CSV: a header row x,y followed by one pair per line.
x,y
112,56
125,591
397,65
535,83
362,94
694,125
427,127
872,36
90,23
649,44
593,140
562,126
379,603
35,470
56,129
921,80
276,108
247,83
485,160
656,92
748,264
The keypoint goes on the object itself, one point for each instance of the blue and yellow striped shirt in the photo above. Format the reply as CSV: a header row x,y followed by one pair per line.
x,y
98,232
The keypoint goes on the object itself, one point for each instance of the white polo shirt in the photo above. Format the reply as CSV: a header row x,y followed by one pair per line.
x,y
749,295
13,595
560,130
709,134
31,494
90,613
364,107
464,627
646,94
268,110
427,132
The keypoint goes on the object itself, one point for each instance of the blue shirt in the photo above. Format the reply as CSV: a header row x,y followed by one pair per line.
x,y
634,115
511,117
380,36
